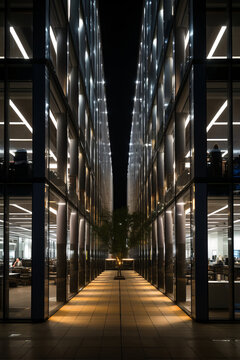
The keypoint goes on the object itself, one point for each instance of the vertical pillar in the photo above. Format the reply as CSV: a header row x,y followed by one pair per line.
x,y
73,252
62,146
169,252
161,254
180,55
169,159
180,143
73,164
39,309
61,252
180,261
81,254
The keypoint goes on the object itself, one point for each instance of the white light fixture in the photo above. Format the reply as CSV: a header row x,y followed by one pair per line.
x,y
53,39
217,211
20,140
217,139
21,208
52,155
54,121
20,115
217,115
13,123
187,121
187,211
186,40
52,166
52,210
18,42
216,42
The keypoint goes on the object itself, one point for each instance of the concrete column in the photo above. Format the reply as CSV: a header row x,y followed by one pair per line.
x,y
73,252
161,253
180,54
61,252
181,240
169,251
180,142
160,175
61,146
73,164
81,253
168,78
169,159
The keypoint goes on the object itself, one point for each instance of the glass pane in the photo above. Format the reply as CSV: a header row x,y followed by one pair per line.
x,y
184,250
57,141
161,253
236,132
2,35
1,128
236,250
20,257
183,141
216,31
217,129
1,256
71,252
56,236
170,252
218,276
20,130
235,29
21,29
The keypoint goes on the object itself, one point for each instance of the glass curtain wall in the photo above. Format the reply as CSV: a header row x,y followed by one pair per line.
x,y
170,246
20,257
57,251
1,254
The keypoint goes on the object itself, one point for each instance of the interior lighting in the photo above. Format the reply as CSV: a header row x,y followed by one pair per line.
x,y
21,208
186,40
20,115
54,121
53,39
22,228
217,115
217,139
216,42
217,211
52,155
187,121
52,210
20,140
187,211
18,42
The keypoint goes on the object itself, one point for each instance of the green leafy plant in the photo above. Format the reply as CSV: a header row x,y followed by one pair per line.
x,y
121,231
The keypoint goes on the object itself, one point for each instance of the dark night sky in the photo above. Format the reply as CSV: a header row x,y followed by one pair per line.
x,y
120,23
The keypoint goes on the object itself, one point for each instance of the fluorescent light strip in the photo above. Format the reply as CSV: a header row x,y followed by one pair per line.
x,y
54,121
53,39
13,123
217,211
20,140
20,115
217,115
18,42
217,139
52,155
187,121
53,210
186,40
22,228
187,211
21,208
224,153
216,42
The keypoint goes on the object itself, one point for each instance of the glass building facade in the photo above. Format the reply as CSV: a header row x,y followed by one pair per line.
x,y
55,158
184,154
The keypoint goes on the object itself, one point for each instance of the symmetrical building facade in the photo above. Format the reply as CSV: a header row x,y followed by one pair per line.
x,y
184,157
55,158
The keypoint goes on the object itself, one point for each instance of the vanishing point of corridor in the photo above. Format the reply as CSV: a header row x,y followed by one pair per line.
x,y
112,319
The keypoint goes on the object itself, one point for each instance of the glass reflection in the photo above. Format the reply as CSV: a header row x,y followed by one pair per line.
x,y
20,257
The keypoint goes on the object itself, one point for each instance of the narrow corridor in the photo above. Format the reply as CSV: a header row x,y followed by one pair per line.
x,y
112,319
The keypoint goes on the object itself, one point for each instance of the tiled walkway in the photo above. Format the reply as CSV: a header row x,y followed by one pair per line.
x,y
90,327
